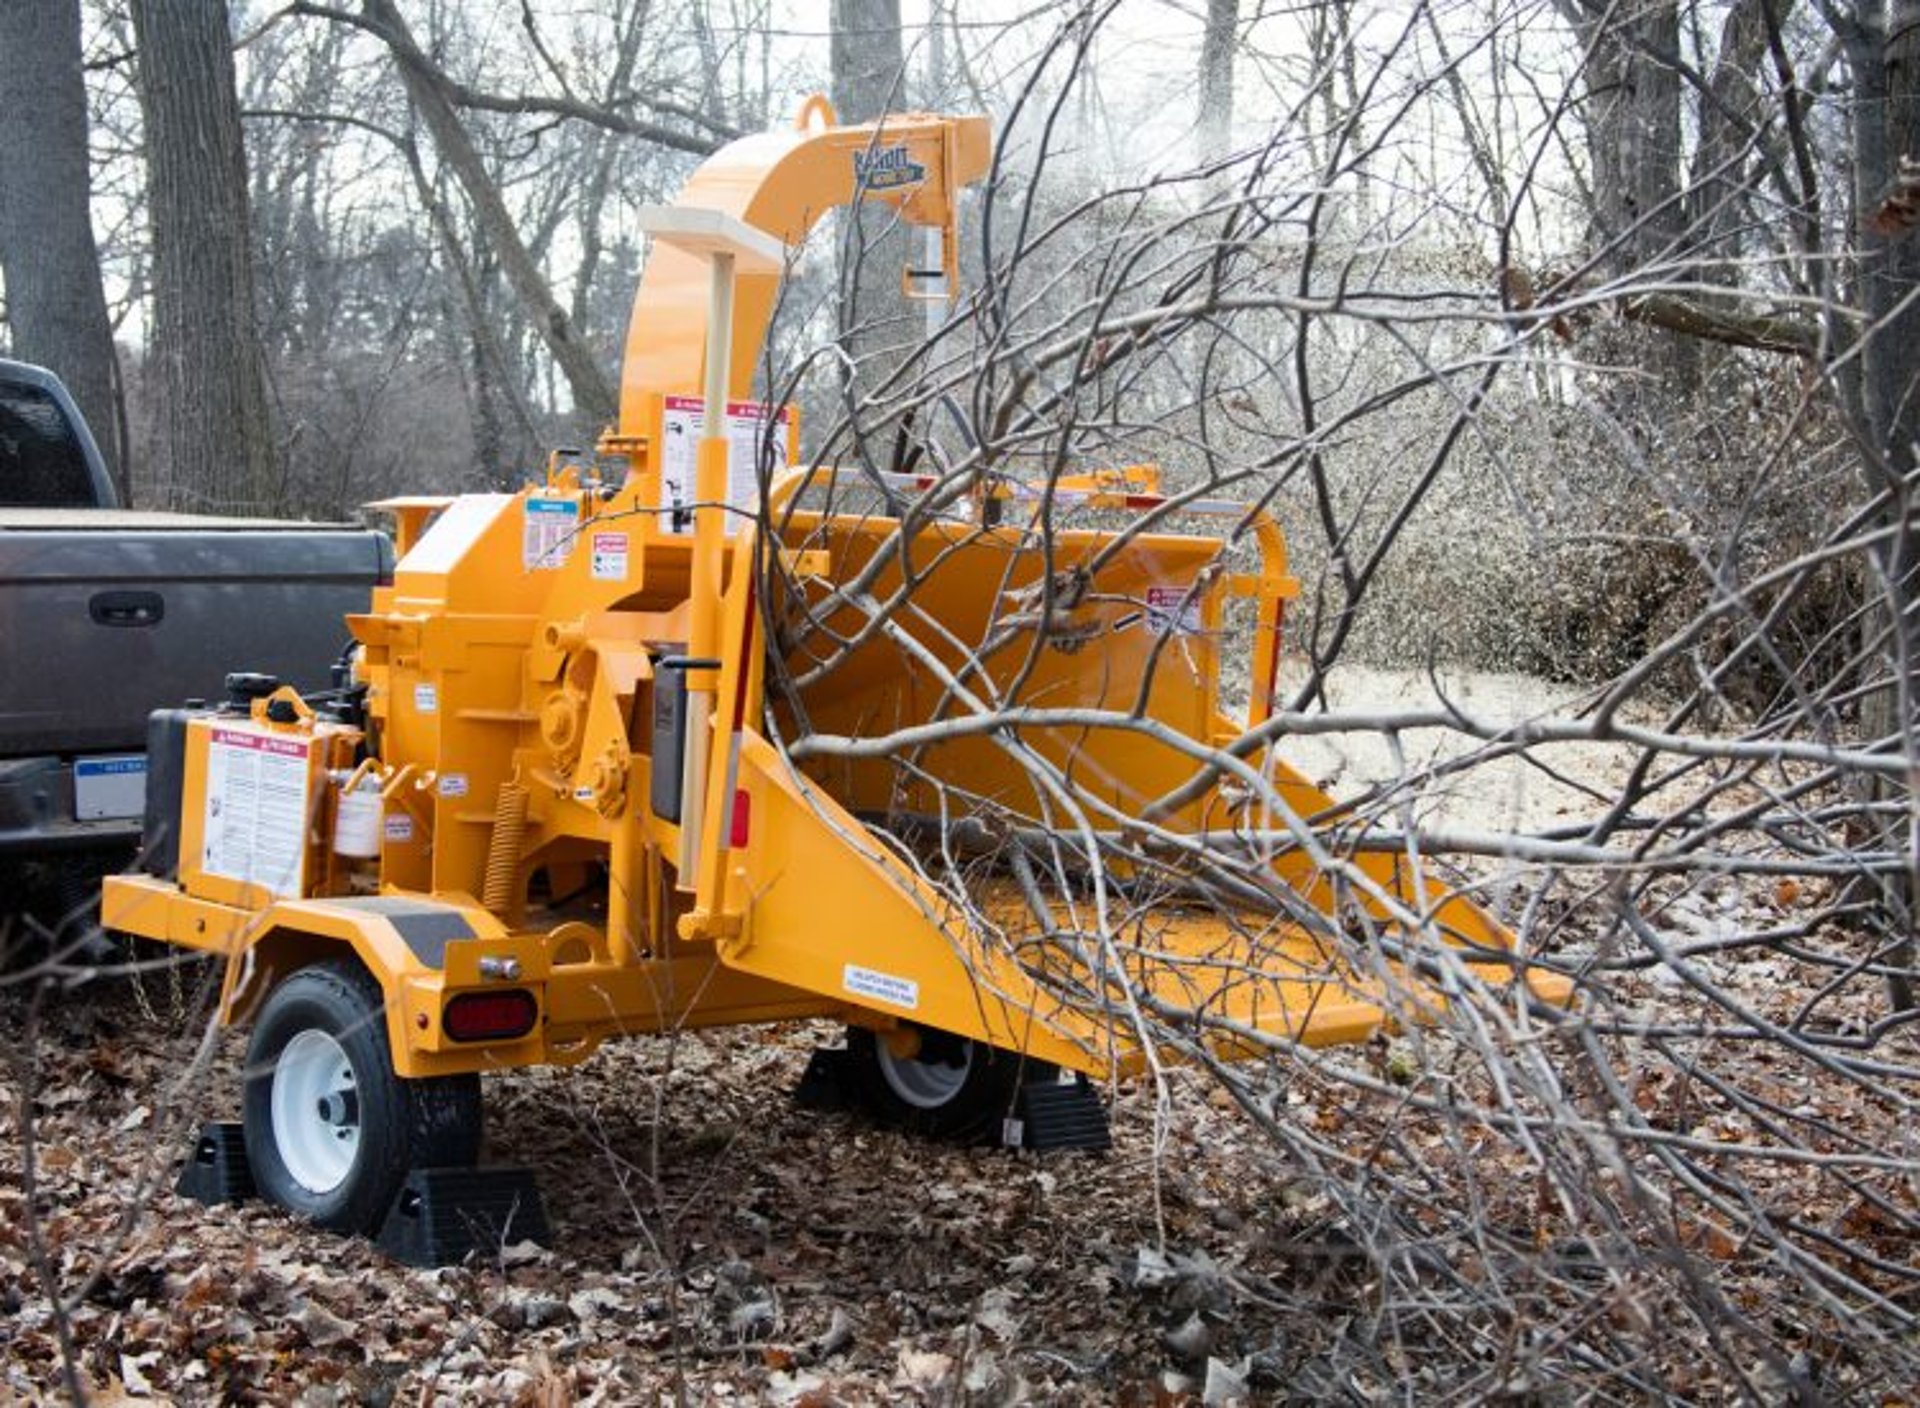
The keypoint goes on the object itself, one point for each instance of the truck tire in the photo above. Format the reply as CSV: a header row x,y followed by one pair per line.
x,y
330,1130
955,1088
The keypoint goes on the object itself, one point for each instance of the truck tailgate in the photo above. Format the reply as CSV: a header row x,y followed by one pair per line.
x,y
106,615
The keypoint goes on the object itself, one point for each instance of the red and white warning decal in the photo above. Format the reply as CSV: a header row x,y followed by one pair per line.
x,y
609,557
751,428
255,824
1173,610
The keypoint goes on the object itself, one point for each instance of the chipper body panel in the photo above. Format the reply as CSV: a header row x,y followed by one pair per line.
x,y
558,802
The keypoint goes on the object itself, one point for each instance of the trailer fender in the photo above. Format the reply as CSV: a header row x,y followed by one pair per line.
x,y
400,940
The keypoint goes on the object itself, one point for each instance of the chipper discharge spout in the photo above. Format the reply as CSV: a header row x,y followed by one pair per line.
x,y
682,737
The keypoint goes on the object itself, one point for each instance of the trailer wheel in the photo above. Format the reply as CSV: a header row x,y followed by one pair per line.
x,y
330,1129
955,1088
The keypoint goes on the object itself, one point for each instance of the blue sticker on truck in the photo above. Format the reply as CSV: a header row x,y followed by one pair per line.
x,y
109,788
109,767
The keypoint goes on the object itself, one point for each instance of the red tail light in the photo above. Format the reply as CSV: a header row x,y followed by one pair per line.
x,y
490,1016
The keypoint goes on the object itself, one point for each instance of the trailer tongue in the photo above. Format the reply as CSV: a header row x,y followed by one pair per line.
x,y
552,810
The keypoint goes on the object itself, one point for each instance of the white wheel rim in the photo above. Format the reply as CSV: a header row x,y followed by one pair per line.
x,y
316,1111
925,1085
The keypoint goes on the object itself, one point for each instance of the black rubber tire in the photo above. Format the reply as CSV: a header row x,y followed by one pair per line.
x,y
404,1124
975,1110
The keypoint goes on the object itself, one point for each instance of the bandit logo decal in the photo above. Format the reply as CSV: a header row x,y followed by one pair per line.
x,y
887,167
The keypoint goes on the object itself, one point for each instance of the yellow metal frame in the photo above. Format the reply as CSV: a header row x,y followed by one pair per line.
x,y
514,665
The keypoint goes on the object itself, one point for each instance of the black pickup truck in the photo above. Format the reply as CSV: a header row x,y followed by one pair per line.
x,y
107,613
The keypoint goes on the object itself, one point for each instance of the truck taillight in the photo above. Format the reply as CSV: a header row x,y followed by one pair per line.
x,y
490,1016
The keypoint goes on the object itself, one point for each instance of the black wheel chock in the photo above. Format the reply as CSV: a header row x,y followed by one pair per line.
x,y
216,1170
442,1214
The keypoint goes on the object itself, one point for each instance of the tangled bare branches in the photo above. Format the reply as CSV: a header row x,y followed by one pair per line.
x,y
1697,1178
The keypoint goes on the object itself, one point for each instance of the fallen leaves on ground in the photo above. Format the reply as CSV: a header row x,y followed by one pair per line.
x,y
711,1239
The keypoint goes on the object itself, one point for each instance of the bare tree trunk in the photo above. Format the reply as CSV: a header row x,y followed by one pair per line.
x,y
868,80
1886,133
593,393
217,429
603,151
55,305
1729,116
866,57
1633,125
938,76
1216,77
1632,88
1883,49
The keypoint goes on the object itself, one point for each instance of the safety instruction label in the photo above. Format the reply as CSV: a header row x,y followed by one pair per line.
x,y
1173,611
889,988
552,525
750,425
255,827
610,557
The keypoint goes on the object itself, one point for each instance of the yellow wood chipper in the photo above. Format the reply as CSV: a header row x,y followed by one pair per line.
x,y
572,785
